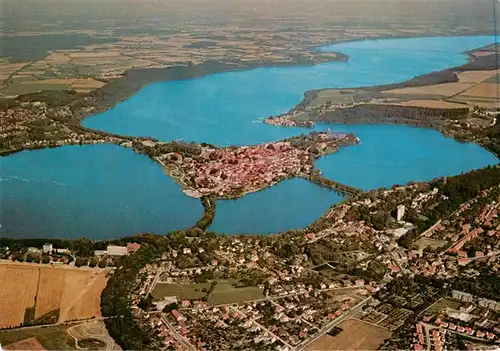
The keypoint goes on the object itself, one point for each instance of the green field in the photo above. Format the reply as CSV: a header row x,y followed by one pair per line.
x,y
182,291
224,292
52,338
26,88
444,303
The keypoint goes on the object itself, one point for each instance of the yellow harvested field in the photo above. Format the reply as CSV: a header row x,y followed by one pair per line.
x,y
355,335
11,67
83,55
49,291
430,104
6,69
88,304
58,59
483,90
87,84
19,286
482,53
74,292
475,76
446,89
67,81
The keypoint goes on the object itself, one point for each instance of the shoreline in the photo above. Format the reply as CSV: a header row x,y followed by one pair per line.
x,y
199,71
313,146
307,94
448,75
119,90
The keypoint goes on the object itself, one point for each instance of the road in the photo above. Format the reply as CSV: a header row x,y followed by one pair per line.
x,y
92,330
395,259
427,330
185,342
154,282
306,343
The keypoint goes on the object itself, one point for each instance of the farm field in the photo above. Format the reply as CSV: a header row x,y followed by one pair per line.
x,y
26,344
49,294
355,335
444,90
20,88
482,95
430,104
50,338
476,76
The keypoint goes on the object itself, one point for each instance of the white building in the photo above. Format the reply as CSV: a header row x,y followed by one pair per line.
x,y
100,252
47,248
462,296
400,212
114,250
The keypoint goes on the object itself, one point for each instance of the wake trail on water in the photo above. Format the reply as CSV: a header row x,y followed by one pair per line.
x,y
26,180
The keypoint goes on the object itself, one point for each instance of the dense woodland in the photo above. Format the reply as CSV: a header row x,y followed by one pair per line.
x,y
427,116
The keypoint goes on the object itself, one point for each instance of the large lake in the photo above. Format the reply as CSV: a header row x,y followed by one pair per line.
x,y
114,192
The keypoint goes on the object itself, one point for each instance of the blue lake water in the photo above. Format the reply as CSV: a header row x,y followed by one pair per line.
x,y
225,109
293,203
96,191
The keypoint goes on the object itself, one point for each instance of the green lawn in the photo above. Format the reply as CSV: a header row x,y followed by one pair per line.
x,y
52,338
224,292
444,303
182,291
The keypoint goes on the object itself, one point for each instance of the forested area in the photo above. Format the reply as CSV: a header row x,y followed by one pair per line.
x,y
115,302
461,188
426,116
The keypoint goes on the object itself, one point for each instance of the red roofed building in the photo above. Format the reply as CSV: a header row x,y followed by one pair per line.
x,y
177,315
394,268
133,247
463,261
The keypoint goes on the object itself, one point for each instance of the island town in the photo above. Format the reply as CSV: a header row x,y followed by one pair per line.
x,y
235,171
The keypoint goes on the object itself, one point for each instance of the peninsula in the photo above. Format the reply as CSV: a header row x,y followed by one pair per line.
x,y
460,102
232,172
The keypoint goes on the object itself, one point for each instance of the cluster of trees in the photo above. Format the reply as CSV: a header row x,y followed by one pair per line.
x,y
206,220
486,284
316,177
115,300
428,289
462,188
182,148
54,98
374,112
